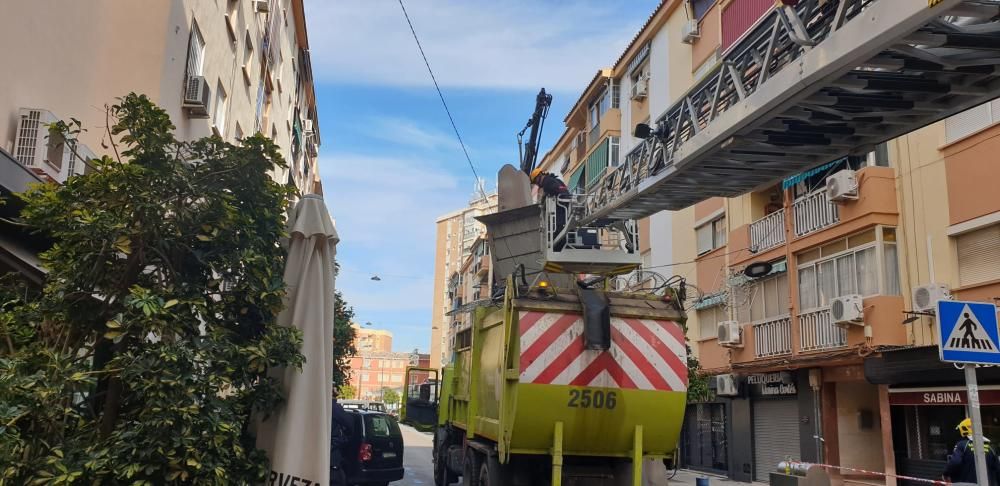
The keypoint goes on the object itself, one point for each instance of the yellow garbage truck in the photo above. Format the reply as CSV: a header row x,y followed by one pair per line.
x,y
563,385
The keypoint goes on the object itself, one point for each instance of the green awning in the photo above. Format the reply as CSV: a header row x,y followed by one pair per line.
x,y
710,300
574,180
597,162
795,179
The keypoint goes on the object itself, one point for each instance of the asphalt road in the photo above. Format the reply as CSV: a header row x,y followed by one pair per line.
x,y
416,458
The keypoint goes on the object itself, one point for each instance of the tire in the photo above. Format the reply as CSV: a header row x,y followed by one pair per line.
x,y
492,473
471,467
442,475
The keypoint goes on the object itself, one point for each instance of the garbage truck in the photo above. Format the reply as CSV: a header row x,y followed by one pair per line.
x,y
540,391
572,367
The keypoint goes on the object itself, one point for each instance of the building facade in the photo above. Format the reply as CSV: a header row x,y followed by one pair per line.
x,y
830,356
372,340
456,234
229,68
372,372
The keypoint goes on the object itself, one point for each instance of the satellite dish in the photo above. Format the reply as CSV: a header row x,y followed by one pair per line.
x,y
757,269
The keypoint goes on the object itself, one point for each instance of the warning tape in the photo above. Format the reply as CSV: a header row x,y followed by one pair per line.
x,y
877,473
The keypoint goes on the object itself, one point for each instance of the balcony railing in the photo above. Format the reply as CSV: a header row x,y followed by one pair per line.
x,y
772,337
767,232
814,212
819,332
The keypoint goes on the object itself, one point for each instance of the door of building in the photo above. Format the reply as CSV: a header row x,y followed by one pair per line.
x,y
775,434
704,437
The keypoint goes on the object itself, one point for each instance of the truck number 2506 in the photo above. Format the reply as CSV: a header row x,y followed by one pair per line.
x,y
592,399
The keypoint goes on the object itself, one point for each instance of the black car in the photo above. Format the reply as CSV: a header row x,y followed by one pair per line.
x,y
374,456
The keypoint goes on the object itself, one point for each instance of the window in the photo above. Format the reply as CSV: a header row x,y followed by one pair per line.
x,y
849,266
961,125
979,256
616,93
709,319
220,109
367,363
701,7
763,299
397,378
239,131
615,151
711,235
196,52
248,58
365,376
381,426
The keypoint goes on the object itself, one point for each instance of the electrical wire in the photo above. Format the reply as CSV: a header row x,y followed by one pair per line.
x,y
443,102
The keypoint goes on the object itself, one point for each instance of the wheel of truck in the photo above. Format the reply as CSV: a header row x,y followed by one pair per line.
x,y
471,466
442,475
492,473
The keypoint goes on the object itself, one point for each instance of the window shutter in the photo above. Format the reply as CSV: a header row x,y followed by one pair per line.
x,y
961,125
979,256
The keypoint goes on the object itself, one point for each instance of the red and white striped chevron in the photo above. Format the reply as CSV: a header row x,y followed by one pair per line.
x,y
645,354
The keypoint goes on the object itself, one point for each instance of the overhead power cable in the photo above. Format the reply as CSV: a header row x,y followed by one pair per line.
x,y
443,102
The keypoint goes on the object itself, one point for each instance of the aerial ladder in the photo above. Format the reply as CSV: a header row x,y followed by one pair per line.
x,y
814,81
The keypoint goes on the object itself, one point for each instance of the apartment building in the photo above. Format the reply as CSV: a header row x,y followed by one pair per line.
x,y
457,233
830,356
823,358
376,367
372,340
374,371
230,68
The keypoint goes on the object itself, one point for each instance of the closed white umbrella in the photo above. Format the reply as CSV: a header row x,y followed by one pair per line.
x,y
297,436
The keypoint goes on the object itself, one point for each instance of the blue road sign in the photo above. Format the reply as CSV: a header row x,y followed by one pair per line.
x,y
968,332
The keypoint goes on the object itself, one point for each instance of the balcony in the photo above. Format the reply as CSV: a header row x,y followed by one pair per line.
x,y
814,212
772,337
818,331
767,232
594,136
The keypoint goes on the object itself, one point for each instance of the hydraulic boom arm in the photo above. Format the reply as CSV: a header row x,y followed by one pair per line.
x,y
535,123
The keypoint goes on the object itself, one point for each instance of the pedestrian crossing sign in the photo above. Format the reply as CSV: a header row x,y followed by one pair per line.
x,y
968,332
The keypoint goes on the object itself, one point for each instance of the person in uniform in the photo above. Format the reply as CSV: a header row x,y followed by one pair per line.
x,y
961,466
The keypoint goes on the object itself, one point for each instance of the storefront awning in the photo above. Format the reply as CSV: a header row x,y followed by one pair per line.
x,y
942,396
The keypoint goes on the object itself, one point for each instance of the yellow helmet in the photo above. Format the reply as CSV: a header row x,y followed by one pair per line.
x,y
535,173
965,427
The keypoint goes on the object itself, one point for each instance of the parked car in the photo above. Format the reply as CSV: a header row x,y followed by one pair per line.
x,y
375,454
362,405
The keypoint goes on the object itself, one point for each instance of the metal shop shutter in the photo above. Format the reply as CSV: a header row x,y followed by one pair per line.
x,y
775,435
979,256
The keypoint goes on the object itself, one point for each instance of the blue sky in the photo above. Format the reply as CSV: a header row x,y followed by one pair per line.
x,y
389,159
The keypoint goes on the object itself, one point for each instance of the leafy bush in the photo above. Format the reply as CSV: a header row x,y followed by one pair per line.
x,y
143,357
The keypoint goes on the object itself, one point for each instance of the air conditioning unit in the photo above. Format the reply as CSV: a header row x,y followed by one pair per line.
x,y
197,97
640,89
690,32
50,157
842,186
307,127
32,138
261,6
730,334
847,310
726,386
926,297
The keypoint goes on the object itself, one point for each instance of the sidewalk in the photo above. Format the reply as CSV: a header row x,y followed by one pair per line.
x,y
687,477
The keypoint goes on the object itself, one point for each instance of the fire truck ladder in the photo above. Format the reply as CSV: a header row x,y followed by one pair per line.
x,y
809,84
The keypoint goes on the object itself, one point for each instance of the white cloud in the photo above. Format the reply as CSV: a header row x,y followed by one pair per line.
x,y
408,132
510,44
